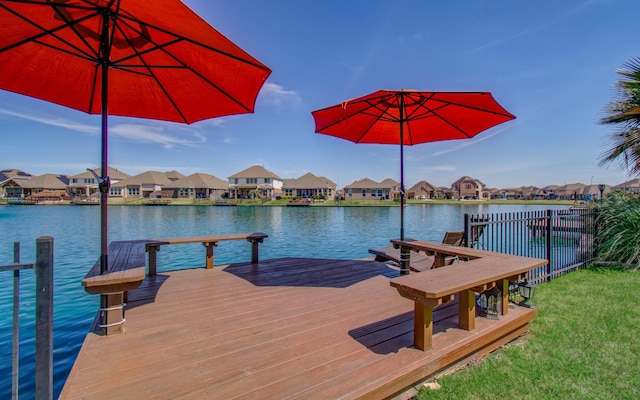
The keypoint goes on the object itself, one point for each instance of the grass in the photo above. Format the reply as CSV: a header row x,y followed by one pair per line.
x,y
584,344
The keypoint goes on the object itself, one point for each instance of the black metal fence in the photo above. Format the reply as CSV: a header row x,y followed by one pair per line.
x,y
43,268
564,237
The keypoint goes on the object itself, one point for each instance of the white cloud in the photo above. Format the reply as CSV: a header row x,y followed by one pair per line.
x,y
157,134
166,134
58,122
276,95
466,143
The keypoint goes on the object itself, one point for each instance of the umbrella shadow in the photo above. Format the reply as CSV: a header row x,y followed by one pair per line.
x,y
147,292
310,272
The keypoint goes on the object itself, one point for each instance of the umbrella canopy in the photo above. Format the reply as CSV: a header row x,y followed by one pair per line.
x,y
408,117
148,59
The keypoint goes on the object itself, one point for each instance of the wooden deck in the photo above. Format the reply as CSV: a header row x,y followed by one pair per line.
x,y
284,328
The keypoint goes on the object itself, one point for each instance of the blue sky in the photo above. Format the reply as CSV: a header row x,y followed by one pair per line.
x,y
551,63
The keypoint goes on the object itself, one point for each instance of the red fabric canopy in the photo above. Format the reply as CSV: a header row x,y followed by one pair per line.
x,y
422,117
408,117
151,59
165,62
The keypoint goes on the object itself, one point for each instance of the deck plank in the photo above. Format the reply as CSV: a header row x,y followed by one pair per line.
x,y
285,328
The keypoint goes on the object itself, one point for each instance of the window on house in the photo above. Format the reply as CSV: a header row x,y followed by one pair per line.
x,y
133,191
467,186
364,192
252,180
267,180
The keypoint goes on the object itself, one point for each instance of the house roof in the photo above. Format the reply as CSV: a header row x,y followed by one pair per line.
x,y
10,173
145,178
46,181
199,181
174,175
114,174
309,180
634,183
468,179
422,186
367,183
255,171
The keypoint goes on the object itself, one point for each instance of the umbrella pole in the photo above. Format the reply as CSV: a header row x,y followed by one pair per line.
x,y
104,171
104,183
404,252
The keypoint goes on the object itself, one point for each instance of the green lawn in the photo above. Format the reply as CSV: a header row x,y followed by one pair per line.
x,y
584,344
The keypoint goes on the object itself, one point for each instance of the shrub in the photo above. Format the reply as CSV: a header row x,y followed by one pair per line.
x,y
618,233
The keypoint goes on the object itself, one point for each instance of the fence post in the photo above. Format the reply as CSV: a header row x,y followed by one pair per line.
x,y
549,241
15,348
44,317
467,231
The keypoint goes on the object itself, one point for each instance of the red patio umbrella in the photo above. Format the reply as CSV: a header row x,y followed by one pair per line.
x,y
408,117
149,59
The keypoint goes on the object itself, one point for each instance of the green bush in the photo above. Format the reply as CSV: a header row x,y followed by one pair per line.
x,y
618,230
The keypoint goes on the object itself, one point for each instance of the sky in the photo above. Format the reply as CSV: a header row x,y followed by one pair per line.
x,y
550,63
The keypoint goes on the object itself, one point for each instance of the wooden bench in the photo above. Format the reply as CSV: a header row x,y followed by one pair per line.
x,y
434,287
125,271
209,242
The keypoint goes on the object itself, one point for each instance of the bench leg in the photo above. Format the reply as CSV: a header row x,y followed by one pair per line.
x,y
423,326
467,310
254,251
112,313
209,246
503,285
153,260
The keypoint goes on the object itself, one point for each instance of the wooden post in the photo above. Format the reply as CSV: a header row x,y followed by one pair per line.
x,y
467,310
153,259
254,251
112,313
405,259
423,326
209,246
44,317
15,348
504,288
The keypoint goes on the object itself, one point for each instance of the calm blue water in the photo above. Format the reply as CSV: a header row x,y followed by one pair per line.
x,y
336,232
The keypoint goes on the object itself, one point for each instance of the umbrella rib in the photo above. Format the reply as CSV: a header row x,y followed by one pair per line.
x,y
161,47
52,32
377,118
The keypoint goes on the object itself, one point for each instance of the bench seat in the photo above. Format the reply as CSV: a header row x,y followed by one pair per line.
x,y
434,287
209,242
126,269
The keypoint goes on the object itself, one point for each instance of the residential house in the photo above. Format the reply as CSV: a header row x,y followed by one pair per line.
x,y
198,186
367,189
85,184
5,182
468,188
423,190
629,187
255,179
53,186
592,192
149,184
518,193
309,186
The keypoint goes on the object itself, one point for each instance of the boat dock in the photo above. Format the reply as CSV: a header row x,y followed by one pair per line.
x,y
282,328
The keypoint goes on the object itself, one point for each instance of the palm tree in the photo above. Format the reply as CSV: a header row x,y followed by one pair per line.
x,y
624,144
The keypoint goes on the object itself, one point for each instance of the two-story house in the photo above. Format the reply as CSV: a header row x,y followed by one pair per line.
x,y
255,179
468,188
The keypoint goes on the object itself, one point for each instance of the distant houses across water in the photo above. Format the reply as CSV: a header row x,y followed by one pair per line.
x,y
258,182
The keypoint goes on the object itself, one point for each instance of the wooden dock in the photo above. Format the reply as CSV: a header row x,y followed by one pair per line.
x,y
285,328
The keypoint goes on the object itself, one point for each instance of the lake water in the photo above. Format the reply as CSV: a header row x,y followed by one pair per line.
x,y
334,232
